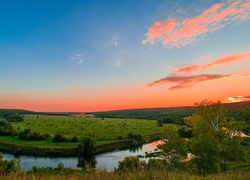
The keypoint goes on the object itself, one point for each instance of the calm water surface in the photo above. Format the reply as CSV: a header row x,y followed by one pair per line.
x,y
107,160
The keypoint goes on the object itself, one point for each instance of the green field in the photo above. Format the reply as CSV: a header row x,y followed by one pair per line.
x,y
106,131
102,129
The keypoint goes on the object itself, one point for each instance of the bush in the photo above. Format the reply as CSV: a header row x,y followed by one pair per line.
x,y
87,145
131,164
75,139
14,118
159,123
60,166
6,129
59,138
185,132
27,134
135,136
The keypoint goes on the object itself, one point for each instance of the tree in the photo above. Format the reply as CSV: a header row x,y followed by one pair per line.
x,y
172,140
60,166
59,138
216,139
174,148
159,123
87,145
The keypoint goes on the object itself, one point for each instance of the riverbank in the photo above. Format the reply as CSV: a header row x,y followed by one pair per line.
x,y
69,149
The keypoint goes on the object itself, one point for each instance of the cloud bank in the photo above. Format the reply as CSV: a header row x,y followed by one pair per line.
x,y
221,61
182,78
176,33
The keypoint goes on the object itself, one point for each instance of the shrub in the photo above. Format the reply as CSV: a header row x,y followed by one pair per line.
x,y
131,164
87,145
159,123
59,138
14,118
75,139
6,129
27,134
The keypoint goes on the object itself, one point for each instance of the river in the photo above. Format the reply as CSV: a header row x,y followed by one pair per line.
x,y
107,160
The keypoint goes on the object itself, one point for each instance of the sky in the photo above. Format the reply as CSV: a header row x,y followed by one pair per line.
x,y
96,55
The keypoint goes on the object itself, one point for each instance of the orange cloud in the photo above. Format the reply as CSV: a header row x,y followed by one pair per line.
x,y
236,99
175,33
187,81
221,61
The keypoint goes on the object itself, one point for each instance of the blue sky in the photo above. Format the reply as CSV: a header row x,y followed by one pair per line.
x,y
102,55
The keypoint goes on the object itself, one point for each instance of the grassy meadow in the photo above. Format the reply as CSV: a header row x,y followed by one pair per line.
x,y
104,130
110,133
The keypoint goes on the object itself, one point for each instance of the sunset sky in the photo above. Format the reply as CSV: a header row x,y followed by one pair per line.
x,y
97,55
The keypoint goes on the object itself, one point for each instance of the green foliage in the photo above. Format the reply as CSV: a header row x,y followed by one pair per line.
x,y
216,139
6,129
159,123
14,118
172,141
27,134
6,167
59,138
168,115
87,145
103,130
60,166
185,132
130,164
246,129
35,169
135,136
75,139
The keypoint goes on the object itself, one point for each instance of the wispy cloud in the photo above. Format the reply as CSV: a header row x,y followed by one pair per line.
x,y
232,99
221,61
115,41
174,32
79,58
187,81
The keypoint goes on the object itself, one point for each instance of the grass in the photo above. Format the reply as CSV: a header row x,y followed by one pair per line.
x,y
103,130
104,175
109,132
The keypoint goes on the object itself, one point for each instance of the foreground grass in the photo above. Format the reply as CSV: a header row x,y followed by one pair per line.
x,y
103,175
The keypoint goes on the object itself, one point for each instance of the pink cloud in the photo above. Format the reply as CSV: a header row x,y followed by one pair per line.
x,y
175,33
221,61
187,81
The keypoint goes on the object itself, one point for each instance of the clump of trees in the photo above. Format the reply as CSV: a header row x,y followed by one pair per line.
x,y
212,140
14,118
6,129
27,134
159,123
58,137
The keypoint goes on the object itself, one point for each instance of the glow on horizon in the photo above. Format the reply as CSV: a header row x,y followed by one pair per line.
x,y
98,56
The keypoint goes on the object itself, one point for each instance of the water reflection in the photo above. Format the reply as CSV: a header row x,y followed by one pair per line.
x,y
86,162
106,161
135,149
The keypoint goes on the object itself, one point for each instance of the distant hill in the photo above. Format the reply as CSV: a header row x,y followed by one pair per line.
x,y
8,112
168,115
239,111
